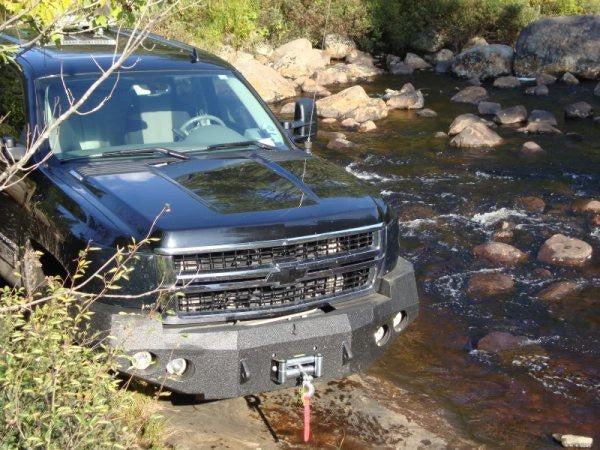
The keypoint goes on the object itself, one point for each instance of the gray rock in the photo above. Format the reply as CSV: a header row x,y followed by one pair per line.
x,y
443,66
476,135
531,148
488,108
471,94
463,121
474,42
541,116
560,44
426,113
539,128
579,110
484,61
444,55
569,78
514,114
539,90
416,62
507,82
561,250
545,79
399,68
407,98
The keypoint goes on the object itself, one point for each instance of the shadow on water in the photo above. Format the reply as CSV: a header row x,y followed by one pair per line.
x,y
450,200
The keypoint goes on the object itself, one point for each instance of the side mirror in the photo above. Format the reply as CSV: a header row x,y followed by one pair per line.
x,y
304,126
13,150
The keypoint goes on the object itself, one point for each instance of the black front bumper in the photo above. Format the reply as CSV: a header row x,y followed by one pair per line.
x,y
231,360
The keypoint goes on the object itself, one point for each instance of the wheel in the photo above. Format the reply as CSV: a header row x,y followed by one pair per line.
x,y
202,120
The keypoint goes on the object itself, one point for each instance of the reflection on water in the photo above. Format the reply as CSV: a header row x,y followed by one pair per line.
x,y
450,200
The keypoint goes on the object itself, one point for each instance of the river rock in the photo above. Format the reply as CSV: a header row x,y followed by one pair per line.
x,y
426,113
501,341
540,90
507,82
428,40
475,41
440,135
541,116
367,126
574,441
444,55
484,61
328,121
587,206
569,78
544,79
350,124
416,62
352,102
301,64
488,284
558,291
463,121
338,46
407,98
295,46
336,74
560,44
360,58
340,144
312,87
541,274
443,66
531,148
288,109
332,134
471,94
514,114
269,84
476,135
579,110
561,250
531,204
488,108
499,254
400,68
539,128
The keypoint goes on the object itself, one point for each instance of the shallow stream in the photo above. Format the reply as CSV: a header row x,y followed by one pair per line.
x,y
450,200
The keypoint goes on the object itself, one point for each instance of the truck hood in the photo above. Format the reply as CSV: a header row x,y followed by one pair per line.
x,y
228,199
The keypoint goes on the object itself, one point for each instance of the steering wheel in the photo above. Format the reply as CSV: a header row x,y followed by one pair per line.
x,y
203,120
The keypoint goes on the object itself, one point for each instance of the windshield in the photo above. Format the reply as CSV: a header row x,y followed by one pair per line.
x,y
182,111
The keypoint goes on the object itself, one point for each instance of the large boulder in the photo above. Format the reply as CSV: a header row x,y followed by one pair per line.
x,y
560,44
338,46
298,59
416,62
476,135
561,250
463,121
354,103
269,84
407,98
337,74
484,61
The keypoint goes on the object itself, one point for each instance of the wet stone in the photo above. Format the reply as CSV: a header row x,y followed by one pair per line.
x,y
507,82
426,113
332,134
488,108
350,124
539,90
476,135
531,204
565,251
569,78
545,79
531,148
587,206
440,135
328,120
471,94
367,126
489,284
340,144
579,110
558,291
514,114
463,121
501,341
541,116
539,128
288,108
499,254
541,274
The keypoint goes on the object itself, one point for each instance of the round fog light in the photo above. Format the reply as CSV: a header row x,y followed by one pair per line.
x,y
398,320
381,335
141,360
176,366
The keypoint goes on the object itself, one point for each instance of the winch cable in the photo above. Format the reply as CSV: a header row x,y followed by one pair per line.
x,y
308,143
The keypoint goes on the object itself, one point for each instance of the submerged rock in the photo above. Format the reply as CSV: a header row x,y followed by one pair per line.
x,y
508,82
484,61
558,291
531,204
400,68
543,79
426,113
501,341
367,126
561,250
569,78
531,148
587,206
489,284
579,110
476,135
340,144
541,116
499,254
539,128
443,66
539,90
488,108
471,94
560,44
514,114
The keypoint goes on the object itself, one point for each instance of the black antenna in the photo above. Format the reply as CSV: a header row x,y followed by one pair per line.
x,y
194,55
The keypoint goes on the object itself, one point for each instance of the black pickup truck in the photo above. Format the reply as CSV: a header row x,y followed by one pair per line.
x,y
277,262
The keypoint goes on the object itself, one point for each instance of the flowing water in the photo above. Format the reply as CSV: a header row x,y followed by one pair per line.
x,y
450,200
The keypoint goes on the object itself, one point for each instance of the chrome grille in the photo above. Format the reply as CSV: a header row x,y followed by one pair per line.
x,y
257,257
274,277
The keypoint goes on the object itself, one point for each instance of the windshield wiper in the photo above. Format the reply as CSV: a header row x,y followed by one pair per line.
x,y
137,151
226,145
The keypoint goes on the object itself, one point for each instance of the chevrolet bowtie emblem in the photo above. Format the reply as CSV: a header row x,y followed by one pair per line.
x,y
285,275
